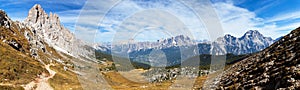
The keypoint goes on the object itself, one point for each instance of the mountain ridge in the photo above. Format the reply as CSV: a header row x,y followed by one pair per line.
x,y
252,41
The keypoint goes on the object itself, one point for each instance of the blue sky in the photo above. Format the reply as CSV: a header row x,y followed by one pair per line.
x,y
273,18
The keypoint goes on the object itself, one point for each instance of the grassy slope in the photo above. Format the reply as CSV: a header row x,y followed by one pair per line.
x,y
63,79
17,67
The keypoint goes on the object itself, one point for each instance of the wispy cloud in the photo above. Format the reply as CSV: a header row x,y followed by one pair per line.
x,y
128,9
237,20
265,4
286,16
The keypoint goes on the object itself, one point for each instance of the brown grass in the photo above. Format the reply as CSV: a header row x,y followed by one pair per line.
x,y
17,68
199,82
119,82
64,79
11,88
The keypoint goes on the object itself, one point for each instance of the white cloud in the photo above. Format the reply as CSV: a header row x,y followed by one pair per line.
x,y
68,16
285,16
85,33
275,31
236,21
127,9
160,21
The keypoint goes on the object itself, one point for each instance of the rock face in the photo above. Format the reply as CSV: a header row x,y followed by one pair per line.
x,y
19,37
252,41
276,67
4,20
40,30
48,27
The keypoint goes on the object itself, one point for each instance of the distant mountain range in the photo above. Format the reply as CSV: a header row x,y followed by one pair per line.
x,y
252,41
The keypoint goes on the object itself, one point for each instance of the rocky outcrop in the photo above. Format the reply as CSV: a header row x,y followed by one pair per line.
x,y
48,27
4,20
276,67
19,37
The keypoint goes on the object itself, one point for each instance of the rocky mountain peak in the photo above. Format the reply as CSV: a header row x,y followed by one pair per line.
x,y
228,36
256,37
4,19
176,41
252,34
54,18
37,7
36,14
252,31
252,41
2,14
49,28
